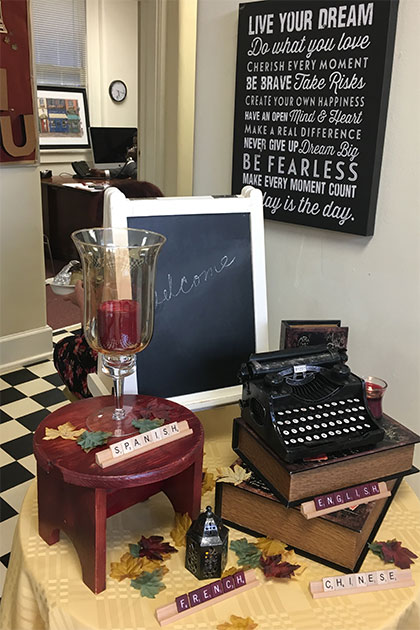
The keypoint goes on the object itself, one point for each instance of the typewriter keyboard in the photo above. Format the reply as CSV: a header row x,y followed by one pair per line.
x,y
311,428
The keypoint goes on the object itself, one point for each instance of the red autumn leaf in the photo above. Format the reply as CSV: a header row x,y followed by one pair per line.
x,y
392,551
153,548
273,567
154,408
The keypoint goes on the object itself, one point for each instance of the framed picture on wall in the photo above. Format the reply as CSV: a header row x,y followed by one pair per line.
x,y
63,118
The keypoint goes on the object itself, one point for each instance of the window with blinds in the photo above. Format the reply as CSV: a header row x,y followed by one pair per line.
x,y
59,28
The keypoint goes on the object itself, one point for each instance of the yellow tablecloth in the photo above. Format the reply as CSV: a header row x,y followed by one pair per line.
x,y
44,589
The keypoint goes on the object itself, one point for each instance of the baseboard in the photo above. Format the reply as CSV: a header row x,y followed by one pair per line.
x,y
25,347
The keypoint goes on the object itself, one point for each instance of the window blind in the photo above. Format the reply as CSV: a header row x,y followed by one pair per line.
x,y
59,28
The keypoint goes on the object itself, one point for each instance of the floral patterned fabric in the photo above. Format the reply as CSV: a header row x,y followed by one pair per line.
x,y
74,359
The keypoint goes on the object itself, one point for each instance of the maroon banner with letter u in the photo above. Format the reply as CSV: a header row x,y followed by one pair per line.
x,y
18,138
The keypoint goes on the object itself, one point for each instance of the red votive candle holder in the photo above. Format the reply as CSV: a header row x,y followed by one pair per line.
x,y
375,390
119,329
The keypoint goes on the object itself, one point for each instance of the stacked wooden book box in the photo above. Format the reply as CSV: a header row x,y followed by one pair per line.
x,y
270,503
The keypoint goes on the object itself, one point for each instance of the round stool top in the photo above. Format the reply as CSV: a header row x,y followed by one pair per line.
x,y
68,460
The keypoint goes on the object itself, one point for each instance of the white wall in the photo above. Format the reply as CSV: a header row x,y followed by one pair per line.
x,y
23,330
371,284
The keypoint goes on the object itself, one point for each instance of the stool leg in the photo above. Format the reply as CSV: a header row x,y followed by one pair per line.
x,y
81,513
184,490
49,492
88,534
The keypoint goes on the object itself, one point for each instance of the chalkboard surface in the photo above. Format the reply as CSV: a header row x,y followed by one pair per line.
x,y
204,309
312,84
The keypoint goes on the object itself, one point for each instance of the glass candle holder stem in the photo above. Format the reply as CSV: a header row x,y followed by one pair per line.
x,y
118,367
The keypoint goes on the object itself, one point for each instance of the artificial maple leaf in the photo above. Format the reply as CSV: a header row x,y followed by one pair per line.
x,y
91,439
149,584
238,623
392,551
66,431
152,547
181,526
208,482
230,571
144,424
235,475
270,547
248,554
127,567
152,565
273,567
155,409
291,557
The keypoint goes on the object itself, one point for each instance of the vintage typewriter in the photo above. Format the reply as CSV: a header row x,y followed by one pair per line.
x,y
305,402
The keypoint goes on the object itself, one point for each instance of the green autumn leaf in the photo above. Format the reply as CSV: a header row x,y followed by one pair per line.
x,y
248,553
91,439
144,424
134,550
376,549
149,584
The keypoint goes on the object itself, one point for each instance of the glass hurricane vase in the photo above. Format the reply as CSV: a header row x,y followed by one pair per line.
x,y
119,266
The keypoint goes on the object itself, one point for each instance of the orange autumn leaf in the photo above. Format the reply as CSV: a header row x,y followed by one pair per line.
x,y
208,482
127,567
238,623
231,571
66,431
182,524
235,475
270,547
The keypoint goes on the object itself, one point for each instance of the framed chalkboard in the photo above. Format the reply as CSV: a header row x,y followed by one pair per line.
x,y
210,293
312,85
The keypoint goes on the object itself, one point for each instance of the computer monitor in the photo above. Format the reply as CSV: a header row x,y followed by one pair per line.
x,y
110,144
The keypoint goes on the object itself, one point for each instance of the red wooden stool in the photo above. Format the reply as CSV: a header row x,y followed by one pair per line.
x,y
76,495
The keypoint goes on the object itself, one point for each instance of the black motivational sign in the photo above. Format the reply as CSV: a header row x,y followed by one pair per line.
x,y
312,85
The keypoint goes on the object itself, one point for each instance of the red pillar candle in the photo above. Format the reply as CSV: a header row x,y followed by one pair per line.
x,y
119,327
374,394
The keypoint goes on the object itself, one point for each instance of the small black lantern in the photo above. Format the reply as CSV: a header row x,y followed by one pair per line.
x,y
207,546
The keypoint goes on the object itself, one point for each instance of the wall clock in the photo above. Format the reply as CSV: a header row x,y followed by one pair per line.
x,y
118,91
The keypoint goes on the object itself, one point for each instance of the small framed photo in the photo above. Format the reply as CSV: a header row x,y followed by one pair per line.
x,y
63,119
298,333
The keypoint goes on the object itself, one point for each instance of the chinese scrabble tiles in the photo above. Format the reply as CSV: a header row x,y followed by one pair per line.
x,y
355,583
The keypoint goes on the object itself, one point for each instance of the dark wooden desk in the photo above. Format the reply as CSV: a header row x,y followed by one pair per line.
x,y
76,496
66,209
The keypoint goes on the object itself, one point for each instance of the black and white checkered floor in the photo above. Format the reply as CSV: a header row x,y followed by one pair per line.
x,y
27,395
